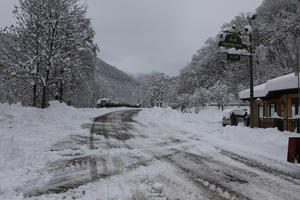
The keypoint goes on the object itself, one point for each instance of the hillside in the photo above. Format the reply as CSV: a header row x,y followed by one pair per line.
x,y
114,84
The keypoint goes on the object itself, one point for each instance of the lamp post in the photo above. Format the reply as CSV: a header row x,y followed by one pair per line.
x,y
251,72
233,40
298,78
297,67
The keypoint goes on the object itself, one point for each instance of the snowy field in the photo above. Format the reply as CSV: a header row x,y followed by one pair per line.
x,y
159,154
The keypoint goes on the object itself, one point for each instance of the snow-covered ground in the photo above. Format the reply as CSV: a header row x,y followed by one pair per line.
x,y
233,151
27,134
160,154
261,143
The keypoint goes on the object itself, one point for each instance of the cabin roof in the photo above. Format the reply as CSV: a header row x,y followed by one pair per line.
x,y
286,82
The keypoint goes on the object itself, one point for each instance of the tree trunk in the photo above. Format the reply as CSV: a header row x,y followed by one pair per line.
x,y
45,90
61,85
44,97
152,102
34,104
34,94
61,91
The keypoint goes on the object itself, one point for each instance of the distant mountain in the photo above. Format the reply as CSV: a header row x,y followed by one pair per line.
x,y
114,84
110,72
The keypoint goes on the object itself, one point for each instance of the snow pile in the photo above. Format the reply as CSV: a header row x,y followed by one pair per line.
x,y
26,135
206,128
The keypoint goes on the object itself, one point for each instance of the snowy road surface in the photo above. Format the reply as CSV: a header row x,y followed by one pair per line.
x,y
129,157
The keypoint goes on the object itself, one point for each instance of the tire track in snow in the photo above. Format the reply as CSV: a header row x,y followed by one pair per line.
x,y
292,177
71,173
215,177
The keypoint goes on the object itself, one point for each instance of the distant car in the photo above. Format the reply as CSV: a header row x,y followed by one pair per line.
x,y
241,115
104,102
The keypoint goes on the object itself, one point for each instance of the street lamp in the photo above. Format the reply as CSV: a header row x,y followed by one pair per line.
x,y
253,17
233,40
250,19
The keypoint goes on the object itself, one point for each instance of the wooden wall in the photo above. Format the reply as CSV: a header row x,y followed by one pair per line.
x,y
283,107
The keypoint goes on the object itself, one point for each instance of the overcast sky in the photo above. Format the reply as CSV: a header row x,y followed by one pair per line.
x,y
141,36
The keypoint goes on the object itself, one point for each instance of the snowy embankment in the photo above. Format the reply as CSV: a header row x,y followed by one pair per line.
x,y
205,132
26,135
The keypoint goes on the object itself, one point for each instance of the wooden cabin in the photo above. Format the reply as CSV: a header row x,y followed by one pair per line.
x,y
276,103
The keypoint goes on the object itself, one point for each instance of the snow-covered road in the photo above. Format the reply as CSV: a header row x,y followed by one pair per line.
x,y
151,155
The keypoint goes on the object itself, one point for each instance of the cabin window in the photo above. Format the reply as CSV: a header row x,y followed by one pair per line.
x,y
295,107
261,112
271,109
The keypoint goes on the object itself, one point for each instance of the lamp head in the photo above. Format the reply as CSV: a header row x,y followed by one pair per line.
x,y
253,17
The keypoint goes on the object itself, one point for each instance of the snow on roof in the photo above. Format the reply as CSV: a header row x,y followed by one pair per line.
x,y
289,81
259,91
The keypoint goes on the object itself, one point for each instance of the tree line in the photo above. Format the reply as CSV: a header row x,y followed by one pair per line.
x,y
210,77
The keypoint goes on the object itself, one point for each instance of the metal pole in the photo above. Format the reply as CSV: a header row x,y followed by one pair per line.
x,y
297,73
251,82
251,74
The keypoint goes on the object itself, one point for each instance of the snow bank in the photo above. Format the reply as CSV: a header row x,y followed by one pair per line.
x,y
269,143
206,129
26,135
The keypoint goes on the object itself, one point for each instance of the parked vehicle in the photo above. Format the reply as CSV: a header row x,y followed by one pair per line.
x,y
104,102
235,116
